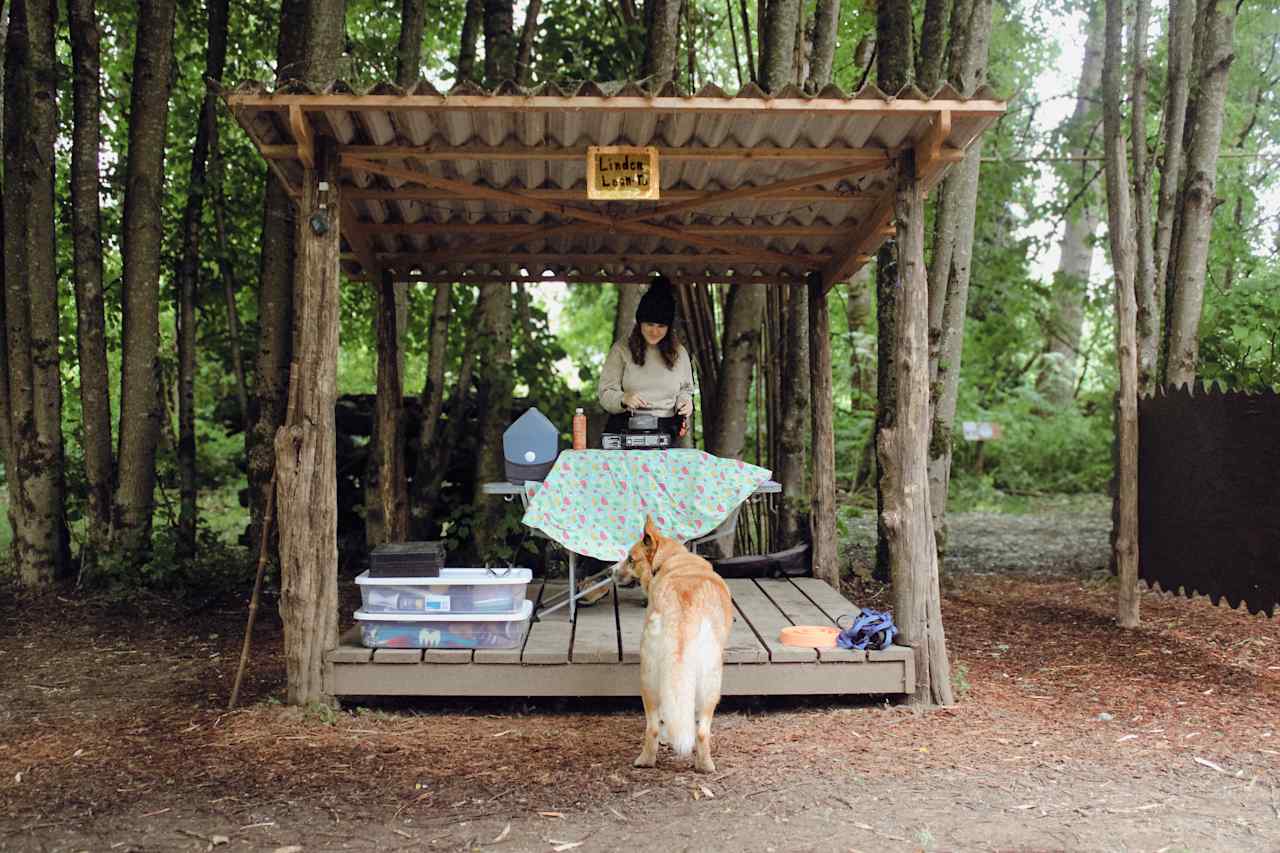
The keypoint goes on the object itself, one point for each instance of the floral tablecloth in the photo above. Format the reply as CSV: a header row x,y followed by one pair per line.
x,y
594,502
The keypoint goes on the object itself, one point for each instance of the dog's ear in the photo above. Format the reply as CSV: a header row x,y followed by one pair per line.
x,y
652,538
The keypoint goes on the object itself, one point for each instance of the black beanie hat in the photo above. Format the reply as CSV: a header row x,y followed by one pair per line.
x,y
658,305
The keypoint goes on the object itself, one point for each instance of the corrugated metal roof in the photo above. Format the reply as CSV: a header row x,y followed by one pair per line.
x,y
418,164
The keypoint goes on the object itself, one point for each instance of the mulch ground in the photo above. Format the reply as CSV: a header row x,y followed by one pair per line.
x,y
112,727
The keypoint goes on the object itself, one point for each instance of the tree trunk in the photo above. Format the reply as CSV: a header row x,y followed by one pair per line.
x,y
143,234
472,23
624,318
961,196
389,423
494,383
1057,378
933,33
309,46
826,29
778,43
857,310
499,42
86,229
743,312
413,19
421,505
524,54
1148,321
188,272
1177,92
1198,201
793,513
893,72
1120,228
662,19
217,176
903,445
746,42
34,469
306,456
6,436
700,331
822,494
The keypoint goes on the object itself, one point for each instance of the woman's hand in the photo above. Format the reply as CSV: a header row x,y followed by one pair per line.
x,y
632,400
684,407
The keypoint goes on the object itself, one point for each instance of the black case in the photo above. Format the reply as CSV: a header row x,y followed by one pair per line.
x,y
791,563
407,560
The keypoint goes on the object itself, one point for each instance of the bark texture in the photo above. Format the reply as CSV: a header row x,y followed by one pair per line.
x,y
960,199
306,457
793,511
1177,91
420,506
624,319
413,19
472,24
1148,317
499,42
1120,228
143,232
778,44
826,19
389,421
903,446
662,22
894,66
494,384
1057,378
744,309
86,233
524,52
34,467
822,494
309,46
188,273
1195,221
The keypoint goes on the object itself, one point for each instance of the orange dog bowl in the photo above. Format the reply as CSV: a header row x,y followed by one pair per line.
x,y
810,636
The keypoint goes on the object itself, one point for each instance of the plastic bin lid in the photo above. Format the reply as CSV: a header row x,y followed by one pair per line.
x,y
531,439
520,615
467,577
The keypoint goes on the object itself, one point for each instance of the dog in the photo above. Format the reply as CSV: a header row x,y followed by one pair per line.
x,y
686,626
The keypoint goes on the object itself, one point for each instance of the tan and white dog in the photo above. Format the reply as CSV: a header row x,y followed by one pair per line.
x,y
686,626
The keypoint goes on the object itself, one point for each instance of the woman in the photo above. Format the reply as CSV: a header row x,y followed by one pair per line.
x,y
649,372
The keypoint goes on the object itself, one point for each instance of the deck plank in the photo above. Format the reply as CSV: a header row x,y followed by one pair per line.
x,y
767,621
349,649
743,646
531,593
801,611
829,601
595,636
549,638
397,655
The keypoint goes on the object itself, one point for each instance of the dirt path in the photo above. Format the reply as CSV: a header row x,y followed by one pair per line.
x,y
1069,735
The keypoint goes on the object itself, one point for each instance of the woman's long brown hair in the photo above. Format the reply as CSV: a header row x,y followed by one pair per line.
x,y
668,347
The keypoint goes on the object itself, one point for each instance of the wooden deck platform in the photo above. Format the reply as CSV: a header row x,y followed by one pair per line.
x,y
600,654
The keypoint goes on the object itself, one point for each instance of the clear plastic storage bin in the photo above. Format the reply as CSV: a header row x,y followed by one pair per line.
x,y
444,630
454,591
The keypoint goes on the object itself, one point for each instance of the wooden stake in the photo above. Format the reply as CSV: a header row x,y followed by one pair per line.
x,y
263,539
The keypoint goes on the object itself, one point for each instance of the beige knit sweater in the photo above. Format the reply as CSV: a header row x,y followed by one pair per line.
x,y
662,388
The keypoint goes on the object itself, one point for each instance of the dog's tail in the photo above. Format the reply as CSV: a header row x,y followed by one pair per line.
x,y
692,672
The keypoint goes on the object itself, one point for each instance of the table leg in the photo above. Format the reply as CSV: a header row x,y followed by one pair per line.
x,y
573,587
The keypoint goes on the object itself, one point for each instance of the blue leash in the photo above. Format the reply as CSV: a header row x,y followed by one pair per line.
x,y
871,629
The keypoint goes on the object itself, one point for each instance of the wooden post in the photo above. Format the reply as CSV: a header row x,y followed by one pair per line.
x,y
389,422
822,486
306,476
904,457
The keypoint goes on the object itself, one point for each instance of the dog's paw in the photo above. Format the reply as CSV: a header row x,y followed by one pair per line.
x,y
707,766
645,761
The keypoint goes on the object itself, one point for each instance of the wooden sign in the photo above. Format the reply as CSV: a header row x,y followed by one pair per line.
x,y
622,172
982,431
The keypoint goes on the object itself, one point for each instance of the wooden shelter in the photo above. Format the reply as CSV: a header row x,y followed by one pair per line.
x,y
489,187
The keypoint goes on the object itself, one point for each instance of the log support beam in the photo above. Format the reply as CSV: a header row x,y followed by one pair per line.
x,y
822,484
903,448
392,522
306,476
